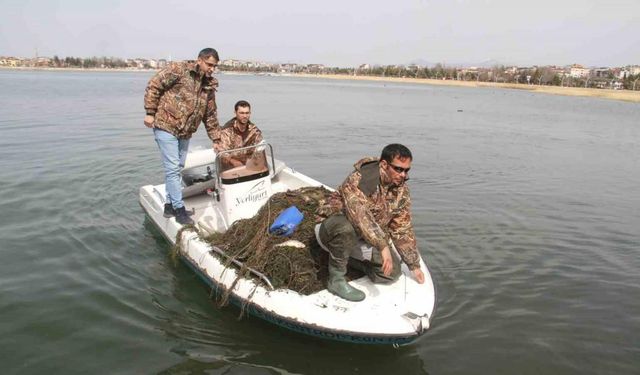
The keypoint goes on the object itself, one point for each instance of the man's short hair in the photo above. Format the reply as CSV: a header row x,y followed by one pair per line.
x,y
241,103
395,150
208,52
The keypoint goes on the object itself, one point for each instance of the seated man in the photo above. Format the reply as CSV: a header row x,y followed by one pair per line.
x,y
236,133
373,204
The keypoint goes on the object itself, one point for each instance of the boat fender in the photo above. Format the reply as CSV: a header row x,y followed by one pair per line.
x,y
287,222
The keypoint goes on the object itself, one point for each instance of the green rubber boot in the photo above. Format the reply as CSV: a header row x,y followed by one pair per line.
x,y
339,286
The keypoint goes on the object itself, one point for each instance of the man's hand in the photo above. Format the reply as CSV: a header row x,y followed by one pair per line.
x,y
387,262
417,273
149,120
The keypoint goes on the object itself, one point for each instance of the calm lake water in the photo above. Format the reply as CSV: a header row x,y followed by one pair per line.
x,y
526,207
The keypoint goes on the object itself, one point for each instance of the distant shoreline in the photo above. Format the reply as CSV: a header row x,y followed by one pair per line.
x,y
623,95
76,69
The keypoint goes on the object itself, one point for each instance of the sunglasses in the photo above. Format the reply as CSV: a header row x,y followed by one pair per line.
x,y
399,169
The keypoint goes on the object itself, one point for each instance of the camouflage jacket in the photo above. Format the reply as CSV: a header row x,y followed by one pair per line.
x,y
180,99
229,137
378,213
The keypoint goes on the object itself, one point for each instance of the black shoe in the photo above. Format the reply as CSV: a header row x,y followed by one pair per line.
x,y
168,211
182,216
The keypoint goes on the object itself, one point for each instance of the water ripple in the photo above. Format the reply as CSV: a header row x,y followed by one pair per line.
x,y
523,207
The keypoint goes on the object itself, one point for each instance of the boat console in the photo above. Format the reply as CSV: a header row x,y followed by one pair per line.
x,y
238,180
244,181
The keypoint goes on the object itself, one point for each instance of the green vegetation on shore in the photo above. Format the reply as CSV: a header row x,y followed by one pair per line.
x,y
574,76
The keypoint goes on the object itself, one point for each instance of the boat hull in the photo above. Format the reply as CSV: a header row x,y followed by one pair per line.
x,y
393,314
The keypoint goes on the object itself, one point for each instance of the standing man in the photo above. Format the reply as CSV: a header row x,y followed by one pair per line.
x,y
238,132
176,100
372,204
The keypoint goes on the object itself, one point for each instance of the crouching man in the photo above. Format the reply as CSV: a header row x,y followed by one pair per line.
x,y
373,204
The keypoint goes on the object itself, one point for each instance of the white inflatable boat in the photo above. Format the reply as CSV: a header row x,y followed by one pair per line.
x,y
394,314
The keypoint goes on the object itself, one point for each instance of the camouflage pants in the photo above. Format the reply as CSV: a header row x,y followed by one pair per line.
x,y
339,236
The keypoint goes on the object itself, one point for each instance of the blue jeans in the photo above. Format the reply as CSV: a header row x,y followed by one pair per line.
x,y
174,153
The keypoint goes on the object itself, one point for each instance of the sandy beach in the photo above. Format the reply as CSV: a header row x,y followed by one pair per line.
x,y
625,95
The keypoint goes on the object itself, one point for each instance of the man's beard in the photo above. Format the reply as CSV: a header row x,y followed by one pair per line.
x,y
401,182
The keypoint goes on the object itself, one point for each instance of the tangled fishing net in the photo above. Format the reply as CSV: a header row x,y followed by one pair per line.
x,y
301,269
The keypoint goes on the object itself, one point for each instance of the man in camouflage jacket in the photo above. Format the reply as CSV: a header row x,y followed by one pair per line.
x,y
236,133
373,204
176,100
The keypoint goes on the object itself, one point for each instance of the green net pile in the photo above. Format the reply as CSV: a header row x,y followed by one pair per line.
x,y
290,267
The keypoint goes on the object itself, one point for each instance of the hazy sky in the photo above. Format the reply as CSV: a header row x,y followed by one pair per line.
x,y
330,32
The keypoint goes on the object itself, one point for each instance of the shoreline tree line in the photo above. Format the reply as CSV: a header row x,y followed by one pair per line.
x,y
547,76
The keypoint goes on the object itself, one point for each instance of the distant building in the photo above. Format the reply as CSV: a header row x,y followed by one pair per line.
x,y
579,71
625,72
287,68
231,63
470,70
560,70
140,63
315,68
43,62
10,61
511,70
601,72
